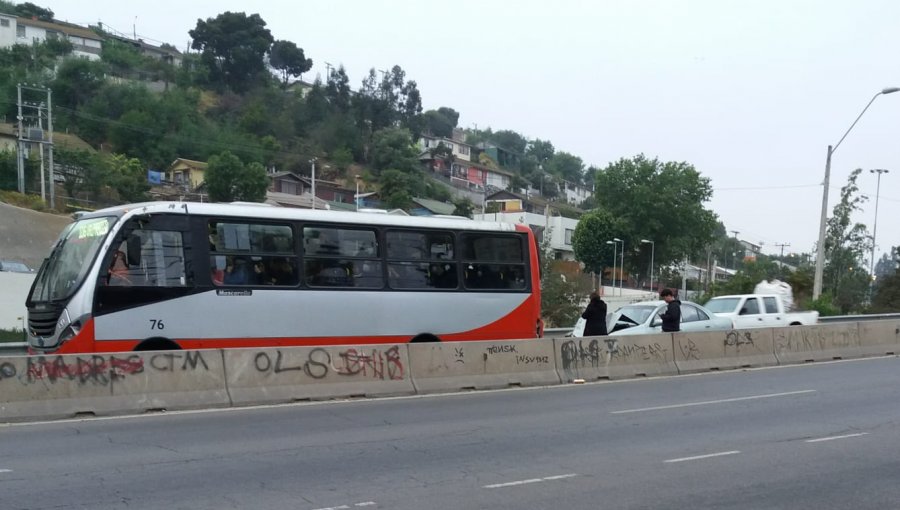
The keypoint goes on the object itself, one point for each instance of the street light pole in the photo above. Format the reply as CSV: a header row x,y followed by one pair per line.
x,y
357,193
878,171
622,271
615,252
820,247
313,174
652,253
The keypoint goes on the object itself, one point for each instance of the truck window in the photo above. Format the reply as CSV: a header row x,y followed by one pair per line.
x,y
751,307
771,304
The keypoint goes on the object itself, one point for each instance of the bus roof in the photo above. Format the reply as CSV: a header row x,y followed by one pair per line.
x,y
264,211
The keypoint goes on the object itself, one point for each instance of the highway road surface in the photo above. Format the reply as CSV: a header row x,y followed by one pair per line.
x,y
822,436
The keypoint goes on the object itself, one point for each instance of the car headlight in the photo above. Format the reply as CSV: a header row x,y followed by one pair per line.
x,y
67,327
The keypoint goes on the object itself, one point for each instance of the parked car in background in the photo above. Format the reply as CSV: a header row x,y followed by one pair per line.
x,y
643,319
14,267
759,311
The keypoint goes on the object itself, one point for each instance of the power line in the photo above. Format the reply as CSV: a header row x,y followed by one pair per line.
x,y
756,188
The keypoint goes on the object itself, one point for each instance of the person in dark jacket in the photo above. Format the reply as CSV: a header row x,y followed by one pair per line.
x,y
595,316
671,318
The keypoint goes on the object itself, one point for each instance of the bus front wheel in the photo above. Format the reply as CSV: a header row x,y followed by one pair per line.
x,y
157,344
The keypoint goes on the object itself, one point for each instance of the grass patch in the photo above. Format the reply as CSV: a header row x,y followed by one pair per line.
x,y
33,202
12,335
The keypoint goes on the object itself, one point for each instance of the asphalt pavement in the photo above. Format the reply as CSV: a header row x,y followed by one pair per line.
x,y
821,436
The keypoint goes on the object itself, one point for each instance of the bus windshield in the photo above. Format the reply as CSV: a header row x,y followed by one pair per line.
x,y
69,262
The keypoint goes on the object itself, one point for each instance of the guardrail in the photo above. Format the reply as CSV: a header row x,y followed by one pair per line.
x,y
859,318
6,347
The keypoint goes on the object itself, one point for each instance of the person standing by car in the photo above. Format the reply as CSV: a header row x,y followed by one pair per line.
x,y
671,318
595,316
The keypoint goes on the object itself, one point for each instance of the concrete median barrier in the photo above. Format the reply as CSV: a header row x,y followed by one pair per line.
x,y
614,357
259,376
801,344
44,387
878,338
724,350
482,365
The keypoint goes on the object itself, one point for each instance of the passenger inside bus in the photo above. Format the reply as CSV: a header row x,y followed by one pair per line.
x,y
236,271
118,270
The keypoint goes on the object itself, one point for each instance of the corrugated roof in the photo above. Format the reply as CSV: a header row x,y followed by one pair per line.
x,y
60,140
66,29
435,206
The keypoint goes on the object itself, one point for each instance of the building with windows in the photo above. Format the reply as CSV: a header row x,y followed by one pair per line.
x,y
537,213
16,30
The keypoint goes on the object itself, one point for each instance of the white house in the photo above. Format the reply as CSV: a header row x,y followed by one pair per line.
x,y
15,30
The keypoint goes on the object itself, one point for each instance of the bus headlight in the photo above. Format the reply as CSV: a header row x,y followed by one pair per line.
x,y
67,328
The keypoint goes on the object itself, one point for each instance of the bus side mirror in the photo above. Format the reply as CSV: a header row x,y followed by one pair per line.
x,y
134,250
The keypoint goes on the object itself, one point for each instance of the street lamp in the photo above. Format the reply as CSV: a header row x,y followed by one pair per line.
x,y
820,248
357,192
622,266
878,171
615,252
652,253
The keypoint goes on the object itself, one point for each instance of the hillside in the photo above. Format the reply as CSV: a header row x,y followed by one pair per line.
x,y
27,235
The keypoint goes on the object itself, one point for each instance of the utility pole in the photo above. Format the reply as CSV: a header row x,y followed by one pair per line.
x,y
734,259
27,136
781,259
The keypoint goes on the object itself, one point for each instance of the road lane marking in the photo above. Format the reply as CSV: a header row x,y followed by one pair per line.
x,y
699,457
531,480
5,470
710,402
347,507
832,438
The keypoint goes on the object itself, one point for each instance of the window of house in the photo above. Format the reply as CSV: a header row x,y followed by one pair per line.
x,y
569,234
4,22
464,150
289,187
20,30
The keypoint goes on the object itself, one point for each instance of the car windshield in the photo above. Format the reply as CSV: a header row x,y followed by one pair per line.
x,y
722,305
62,273
17,267
633,314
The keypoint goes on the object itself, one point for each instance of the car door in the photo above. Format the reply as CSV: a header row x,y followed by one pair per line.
x,y
693,319
749,315
772,317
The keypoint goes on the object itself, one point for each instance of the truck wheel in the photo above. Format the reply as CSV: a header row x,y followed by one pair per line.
x,y
424,338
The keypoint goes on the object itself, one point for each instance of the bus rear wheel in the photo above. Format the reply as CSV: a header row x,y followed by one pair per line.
x,y
158,344
424,338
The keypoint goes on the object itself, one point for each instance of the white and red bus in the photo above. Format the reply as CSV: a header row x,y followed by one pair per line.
x,y
177,275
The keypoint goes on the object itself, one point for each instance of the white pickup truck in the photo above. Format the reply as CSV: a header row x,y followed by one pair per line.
x,y
759,311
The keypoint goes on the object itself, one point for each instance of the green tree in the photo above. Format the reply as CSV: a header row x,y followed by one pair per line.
x,y
567,166
463,207
77,80
658,201
561,297
337,90
128,178
846,245
396,189
342,158
540,150
289,60
887,292
594,229
441,122
228,179
233,47
29,10
393,148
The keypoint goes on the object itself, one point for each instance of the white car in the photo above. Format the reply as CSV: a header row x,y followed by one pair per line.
x,y
643,319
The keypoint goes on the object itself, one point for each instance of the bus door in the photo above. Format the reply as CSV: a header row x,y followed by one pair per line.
x,y
150,260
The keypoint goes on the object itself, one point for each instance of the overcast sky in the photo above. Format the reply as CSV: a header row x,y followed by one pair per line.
x,y
750,93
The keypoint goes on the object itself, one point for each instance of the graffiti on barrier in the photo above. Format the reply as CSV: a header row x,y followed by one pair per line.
x,y
576,354
318,363
738,339
689,350
815,339
99,370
